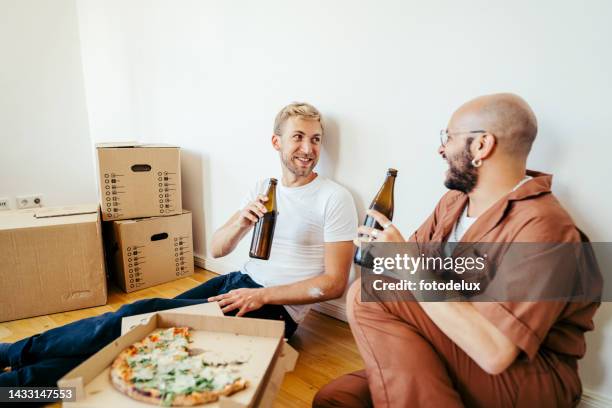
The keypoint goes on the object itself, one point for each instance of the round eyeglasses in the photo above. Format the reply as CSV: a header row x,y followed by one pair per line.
x,y
445,134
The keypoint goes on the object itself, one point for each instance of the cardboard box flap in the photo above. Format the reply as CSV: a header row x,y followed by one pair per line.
x,y
116,144
288,356
135,220
158,145
51,216
203,309
247,326
108,145
63,211
284,363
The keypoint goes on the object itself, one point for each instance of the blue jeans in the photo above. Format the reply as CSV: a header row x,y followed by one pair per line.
x,y
225,283
43,359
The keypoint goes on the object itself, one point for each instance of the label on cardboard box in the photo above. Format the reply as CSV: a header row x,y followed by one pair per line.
x,y
150,251
139,180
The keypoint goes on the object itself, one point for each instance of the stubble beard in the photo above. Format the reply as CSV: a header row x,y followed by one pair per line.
x,y
288,163
462,175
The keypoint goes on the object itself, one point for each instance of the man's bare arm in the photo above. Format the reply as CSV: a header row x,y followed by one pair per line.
x,y
329,285
225,239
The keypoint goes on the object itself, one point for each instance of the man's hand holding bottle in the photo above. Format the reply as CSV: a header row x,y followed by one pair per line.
x,y
252,212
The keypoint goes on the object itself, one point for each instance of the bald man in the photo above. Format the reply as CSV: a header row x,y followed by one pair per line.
x,y
476,354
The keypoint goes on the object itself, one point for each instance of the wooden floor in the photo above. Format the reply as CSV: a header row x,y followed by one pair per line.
x,y
326,345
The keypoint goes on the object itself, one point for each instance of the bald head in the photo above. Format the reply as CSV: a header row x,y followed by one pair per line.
x,y
507,116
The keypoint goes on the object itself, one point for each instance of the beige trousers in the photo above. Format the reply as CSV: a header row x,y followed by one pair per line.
x,y
410,362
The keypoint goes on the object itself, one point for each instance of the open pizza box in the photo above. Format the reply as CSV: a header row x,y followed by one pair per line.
x,y
269,356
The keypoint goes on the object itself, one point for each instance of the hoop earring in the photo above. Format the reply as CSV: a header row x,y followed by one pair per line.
x,y
476,163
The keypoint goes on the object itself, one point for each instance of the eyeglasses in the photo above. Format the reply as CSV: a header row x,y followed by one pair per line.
x,y
444,134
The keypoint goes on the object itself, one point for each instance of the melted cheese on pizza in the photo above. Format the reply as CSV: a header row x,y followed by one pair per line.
x,y
162,362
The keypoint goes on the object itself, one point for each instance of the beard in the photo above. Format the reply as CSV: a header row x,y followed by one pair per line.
x,y
462,175
288,161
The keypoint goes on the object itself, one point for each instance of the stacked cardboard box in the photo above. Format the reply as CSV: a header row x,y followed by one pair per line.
x,y
148,236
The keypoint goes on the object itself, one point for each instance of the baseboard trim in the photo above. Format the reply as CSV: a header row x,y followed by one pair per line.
x,y
199,261
214,265
592,399
333,308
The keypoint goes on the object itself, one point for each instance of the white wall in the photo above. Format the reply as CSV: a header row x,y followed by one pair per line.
x,y
210,76
44,137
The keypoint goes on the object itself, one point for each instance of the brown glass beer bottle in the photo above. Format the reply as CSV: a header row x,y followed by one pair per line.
x,y
261,243
383,203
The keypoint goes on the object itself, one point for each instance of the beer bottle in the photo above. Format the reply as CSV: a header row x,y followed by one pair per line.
x,y
383,203
261,243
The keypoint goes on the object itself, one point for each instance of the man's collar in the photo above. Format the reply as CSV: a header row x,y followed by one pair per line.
x,y
539,184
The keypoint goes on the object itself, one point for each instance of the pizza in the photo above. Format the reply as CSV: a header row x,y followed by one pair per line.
x,y
161,369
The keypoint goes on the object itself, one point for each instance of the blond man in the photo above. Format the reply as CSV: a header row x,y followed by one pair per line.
x,y
309,262
312,247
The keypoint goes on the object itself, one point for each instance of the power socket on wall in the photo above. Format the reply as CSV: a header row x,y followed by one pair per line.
x,y
4,204
30,201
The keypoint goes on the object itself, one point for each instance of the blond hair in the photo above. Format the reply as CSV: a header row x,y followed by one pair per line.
x,y
302,110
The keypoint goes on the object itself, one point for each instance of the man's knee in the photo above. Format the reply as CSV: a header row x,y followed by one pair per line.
x,y
349,390
405,306
331,397
353,297
9,379
324,398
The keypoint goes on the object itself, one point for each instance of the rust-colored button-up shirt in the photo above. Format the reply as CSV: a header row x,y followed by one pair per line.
x,y
530,214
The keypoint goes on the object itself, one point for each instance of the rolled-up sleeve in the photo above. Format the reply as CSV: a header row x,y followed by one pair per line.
x,y
525,324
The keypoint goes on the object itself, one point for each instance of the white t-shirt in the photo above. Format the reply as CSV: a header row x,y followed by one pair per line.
x,y
308,216
459,229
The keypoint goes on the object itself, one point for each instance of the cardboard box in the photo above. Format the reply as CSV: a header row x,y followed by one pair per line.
x,y
139,180
51,260
270,358
148,251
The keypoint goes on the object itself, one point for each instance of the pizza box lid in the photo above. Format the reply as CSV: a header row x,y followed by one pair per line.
x,y
206,309
261,339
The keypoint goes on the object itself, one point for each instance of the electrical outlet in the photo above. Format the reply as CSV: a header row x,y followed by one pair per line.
x,y
30,201
4,204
